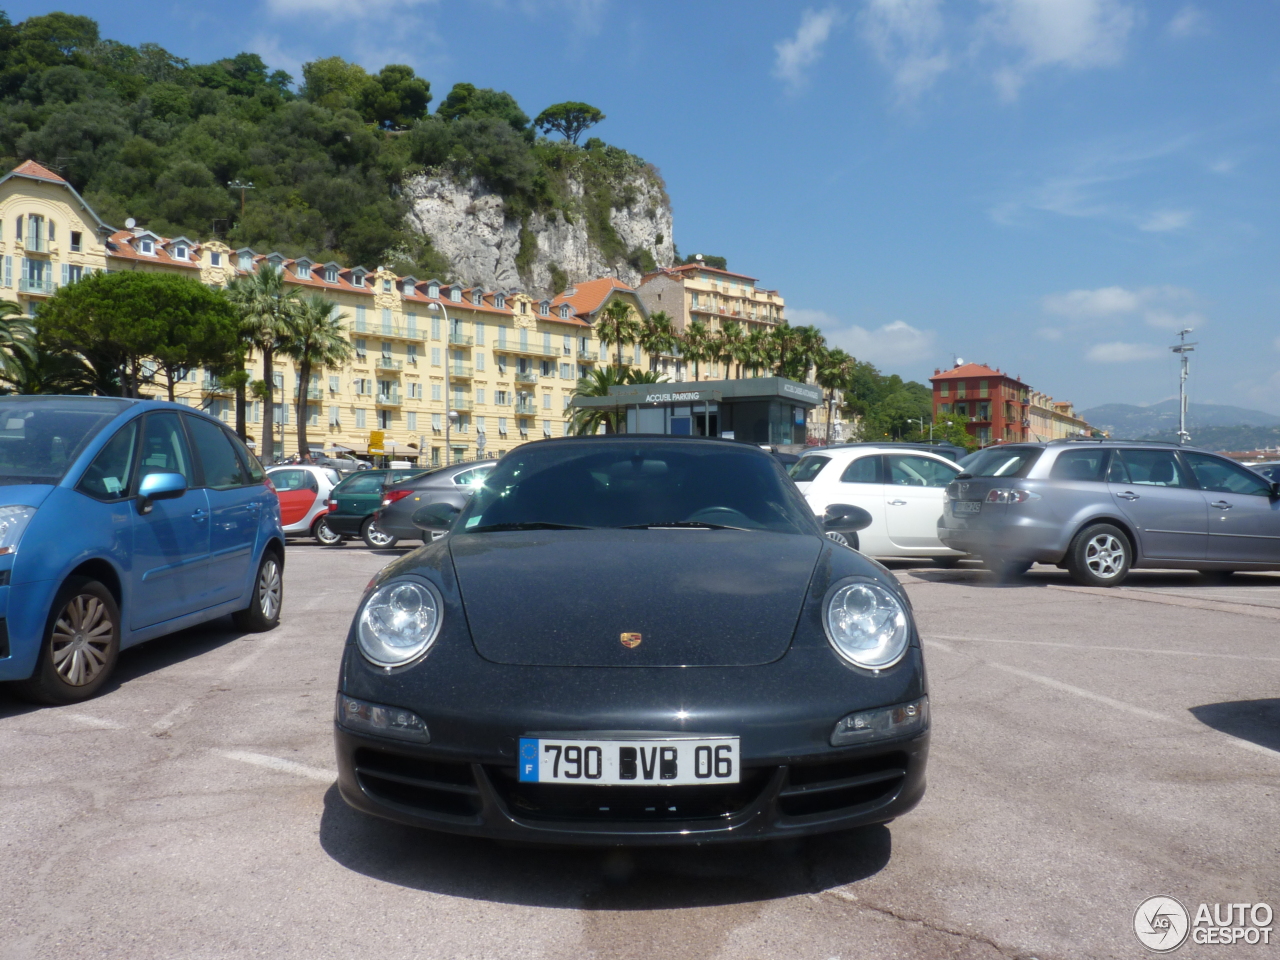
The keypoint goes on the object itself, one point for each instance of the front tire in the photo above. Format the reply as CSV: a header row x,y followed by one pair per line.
x,y
1100,556
375,538
324,535
80,648
263,612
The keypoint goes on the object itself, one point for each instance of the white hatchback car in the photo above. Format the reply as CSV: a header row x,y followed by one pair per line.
x,y
899,485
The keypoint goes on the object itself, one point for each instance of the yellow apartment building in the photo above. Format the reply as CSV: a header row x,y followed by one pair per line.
x,y
441,371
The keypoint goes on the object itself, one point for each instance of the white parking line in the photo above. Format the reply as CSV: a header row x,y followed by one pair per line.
x,y
98,723
281,766
1113,703
1085,648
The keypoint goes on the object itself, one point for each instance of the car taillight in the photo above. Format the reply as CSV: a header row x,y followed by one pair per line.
x,y
271,486
393,495
1010,495
332,504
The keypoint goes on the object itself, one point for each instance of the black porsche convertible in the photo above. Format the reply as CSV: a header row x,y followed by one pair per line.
x,y
634,639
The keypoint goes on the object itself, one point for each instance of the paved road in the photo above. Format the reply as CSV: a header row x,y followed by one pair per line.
x,y
1091,749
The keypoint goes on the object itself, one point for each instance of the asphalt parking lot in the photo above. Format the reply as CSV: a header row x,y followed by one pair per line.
x,y
1091,748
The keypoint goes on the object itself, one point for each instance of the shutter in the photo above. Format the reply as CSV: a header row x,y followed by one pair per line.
x,y
66,269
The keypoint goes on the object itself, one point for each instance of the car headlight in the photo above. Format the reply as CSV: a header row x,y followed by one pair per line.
x,y
903,720
867,624
398,622
13,523
382,720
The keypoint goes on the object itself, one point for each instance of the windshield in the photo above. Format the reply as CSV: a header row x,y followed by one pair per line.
x,y
41,437
806,468
1000,462
616,483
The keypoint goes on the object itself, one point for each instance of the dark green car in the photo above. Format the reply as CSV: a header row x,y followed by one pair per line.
x,y
351,507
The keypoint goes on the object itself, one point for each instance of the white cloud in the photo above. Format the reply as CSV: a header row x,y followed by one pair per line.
x,y
1162,308
896,343
804,49
1225,165
907,37
1162,221
1187,22
1119,352
1078,34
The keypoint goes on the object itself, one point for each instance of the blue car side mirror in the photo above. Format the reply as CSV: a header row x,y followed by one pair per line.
x,y
160,486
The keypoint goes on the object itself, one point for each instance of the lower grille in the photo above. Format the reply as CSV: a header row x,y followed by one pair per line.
x,y
427,786
556,801
814,788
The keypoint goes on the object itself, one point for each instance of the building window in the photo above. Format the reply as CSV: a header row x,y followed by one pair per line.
x,y
479,394
433,291
480,362
502,426
479,333
411,421
548,368
386,320
437,391
568,346
410,288
566,371
546,401
360,423
502,365
145,246
411,354
330,274
564,311
386,286
215,259
436,421
384,419
500,301
361,318
477,297
945,390
362,348
455,294
960,389
502,338
982,388
334,384
479,424
180,252
357,278
435,356
75,241
303,270
544,308
500,398
944,408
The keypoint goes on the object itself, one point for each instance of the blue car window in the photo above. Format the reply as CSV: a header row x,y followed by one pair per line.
x,y
1087,464
40,437
109,476
164,447
256,473
217,457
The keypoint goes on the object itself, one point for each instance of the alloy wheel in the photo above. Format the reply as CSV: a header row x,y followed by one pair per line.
x,y
325,534
81,640
269,589
1105,556
377,537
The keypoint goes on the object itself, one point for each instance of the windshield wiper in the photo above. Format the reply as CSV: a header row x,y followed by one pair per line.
x,y
684,524
527,525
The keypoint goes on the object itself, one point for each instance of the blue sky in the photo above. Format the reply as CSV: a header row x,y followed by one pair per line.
x,y
1054,187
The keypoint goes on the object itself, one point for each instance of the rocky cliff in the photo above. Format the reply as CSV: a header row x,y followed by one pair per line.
x,y
620,228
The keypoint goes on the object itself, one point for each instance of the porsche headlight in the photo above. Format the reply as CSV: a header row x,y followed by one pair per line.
x,y
867,624
399,622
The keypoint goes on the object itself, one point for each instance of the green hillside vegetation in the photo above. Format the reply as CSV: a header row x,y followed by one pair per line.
x,y
142,133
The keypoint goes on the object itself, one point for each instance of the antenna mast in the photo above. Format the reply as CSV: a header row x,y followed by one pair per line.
x,y
1182,349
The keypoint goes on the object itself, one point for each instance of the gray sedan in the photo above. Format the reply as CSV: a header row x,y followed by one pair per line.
x,y
452,484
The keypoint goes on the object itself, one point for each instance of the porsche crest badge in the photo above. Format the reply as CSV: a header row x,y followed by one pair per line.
x,y
630,640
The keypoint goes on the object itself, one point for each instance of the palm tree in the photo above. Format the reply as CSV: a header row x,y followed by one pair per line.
x,y
808,350
758,350
584,421
615,324
313,336
833,372
657,336
785,341
696,343
266,303
731,345
17,341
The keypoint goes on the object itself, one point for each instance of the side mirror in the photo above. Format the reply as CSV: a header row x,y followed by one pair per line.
x,y
435,517
160,486
1275,489
845,518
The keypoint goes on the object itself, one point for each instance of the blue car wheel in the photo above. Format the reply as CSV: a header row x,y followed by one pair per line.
x,y
80,647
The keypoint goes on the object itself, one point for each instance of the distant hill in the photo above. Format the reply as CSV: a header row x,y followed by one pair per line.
x,y
1127,420
1226,438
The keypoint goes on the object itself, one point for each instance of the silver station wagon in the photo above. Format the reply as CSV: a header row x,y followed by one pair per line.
x,y
1100,508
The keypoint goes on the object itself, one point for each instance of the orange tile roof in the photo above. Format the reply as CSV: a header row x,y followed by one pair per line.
x,y
32,169
118,246
686,267
590,295
972,370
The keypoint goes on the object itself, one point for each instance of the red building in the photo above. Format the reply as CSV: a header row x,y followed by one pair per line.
x,y
993,406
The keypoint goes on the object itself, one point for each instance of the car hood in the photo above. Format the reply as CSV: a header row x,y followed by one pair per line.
x,y
24,494
696,597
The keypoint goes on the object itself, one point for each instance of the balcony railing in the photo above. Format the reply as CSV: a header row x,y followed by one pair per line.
x,y
528,349
391,399
386,363
461,340
214,385
39,288
461,405
313,393
35,244
526,408
460,370
591,355
527,376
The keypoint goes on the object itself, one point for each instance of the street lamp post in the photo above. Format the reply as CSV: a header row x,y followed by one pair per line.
x,y
449,415
920,420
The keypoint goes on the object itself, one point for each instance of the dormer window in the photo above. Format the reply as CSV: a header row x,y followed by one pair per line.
x,y
303,270
477,297
410,287
500,301
433,291
357,277
215,259
147,247
330,274
564,311
276,260
544,307
524,306
246,261
386,286
455,294
179,252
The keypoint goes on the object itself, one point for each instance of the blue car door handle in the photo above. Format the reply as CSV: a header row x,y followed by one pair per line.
x,y
200,514
1221,505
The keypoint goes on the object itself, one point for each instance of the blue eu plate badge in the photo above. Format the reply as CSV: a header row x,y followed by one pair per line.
x,y
528,760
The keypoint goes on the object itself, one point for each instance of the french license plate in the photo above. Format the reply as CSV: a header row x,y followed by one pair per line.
x,y
966,506
629,763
